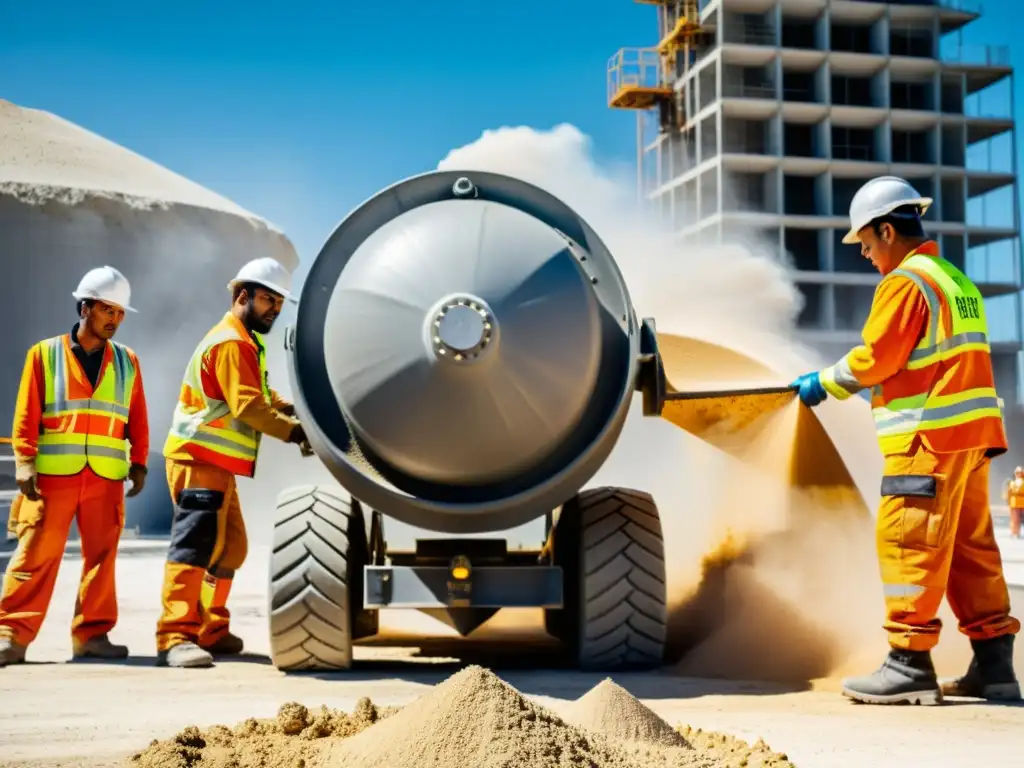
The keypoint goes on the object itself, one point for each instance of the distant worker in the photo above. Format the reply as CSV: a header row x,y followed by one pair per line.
x,y
80,430
939,422
1015,499
225,406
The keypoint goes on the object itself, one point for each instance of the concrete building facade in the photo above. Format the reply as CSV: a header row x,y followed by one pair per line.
x,y
770,114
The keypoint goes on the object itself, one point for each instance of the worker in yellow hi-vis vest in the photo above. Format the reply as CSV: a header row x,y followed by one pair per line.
x,y
927,361
80,430
224,407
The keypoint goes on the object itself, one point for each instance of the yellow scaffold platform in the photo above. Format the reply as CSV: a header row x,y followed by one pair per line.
x,y
635,79
686,27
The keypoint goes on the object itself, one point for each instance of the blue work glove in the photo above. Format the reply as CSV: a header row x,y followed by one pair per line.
x,y
810,389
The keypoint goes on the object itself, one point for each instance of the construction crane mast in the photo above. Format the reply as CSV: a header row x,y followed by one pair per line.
x,y
642,79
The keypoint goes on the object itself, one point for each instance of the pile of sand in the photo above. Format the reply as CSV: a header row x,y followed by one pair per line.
x,y
611,710
472,719
44,157
290,740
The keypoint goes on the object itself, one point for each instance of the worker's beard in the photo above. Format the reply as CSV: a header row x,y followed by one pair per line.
x,y
254,322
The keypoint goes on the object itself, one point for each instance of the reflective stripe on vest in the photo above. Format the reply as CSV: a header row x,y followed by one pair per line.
x,y
80,432
905,416
211,427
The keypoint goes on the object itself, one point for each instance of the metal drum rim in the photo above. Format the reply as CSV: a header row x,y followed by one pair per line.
x,y
307,363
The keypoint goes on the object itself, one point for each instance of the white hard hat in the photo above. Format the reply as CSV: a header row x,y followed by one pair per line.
x,y
105,284
267,272
881,196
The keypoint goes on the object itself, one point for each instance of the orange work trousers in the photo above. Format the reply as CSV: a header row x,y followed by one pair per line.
x,y
935,537
1015,518
208,544
42,528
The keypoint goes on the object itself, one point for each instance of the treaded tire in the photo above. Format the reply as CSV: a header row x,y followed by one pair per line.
x,y
609,543
316,568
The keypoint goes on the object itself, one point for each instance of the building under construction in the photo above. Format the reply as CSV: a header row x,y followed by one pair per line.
x,y
770,114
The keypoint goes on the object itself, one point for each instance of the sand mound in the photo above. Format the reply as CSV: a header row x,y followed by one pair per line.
x,y
290,740
471,720
611,710
45,157
474,719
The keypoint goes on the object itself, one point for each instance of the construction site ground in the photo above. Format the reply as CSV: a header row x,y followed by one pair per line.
x,y
60,713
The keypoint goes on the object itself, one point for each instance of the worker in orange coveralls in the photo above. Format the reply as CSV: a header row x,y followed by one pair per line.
x,y
1015,499
80,430
225,405
939,422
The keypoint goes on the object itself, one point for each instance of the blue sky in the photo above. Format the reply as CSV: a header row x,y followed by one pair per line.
x,y
300,114
298,111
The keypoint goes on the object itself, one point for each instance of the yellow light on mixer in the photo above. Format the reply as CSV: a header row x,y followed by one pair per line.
x,y
459,568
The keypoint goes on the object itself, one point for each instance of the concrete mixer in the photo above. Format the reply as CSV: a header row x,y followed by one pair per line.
x,y
463,358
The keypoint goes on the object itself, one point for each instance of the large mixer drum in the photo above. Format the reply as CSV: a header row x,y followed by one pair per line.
x,y
464,353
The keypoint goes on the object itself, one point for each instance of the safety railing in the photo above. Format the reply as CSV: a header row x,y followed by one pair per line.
x,y
976,55
853,152
995,264
1003,316
750,34
992,155
634,72
749,91
964,6
995,101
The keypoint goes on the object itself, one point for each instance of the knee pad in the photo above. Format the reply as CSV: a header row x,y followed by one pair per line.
x,y
194,529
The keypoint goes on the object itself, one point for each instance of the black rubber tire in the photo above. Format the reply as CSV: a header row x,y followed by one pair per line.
x,y
609,544
316,573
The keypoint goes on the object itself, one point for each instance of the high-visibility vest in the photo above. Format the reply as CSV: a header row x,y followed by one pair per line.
x,y
81,427
203,426
1015,493
945,392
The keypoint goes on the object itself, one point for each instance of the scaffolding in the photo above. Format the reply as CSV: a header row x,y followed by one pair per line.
x,y
642,79
636,79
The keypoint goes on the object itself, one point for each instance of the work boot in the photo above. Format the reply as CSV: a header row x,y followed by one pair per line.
x,y
11,652
990,674
905,677
226,645
184,655
98,647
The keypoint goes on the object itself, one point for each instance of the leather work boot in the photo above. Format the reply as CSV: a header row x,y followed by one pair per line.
x,y
990,675
184,655
905,677
98,648
226,645
11,652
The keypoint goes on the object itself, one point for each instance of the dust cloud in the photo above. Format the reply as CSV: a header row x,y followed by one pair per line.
x,y
770,577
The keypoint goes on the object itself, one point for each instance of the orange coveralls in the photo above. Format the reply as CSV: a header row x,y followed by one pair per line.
x,y
1015,498
931,546
195,598
42,526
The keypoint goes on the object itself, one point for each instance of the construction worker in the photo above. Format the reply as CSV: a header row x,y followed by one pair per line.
x,y
925,355
1015,499
80,430
225,405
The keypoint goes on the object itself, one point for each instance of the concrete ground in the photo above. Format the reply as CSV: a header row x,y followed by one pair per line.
x,y
59,713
